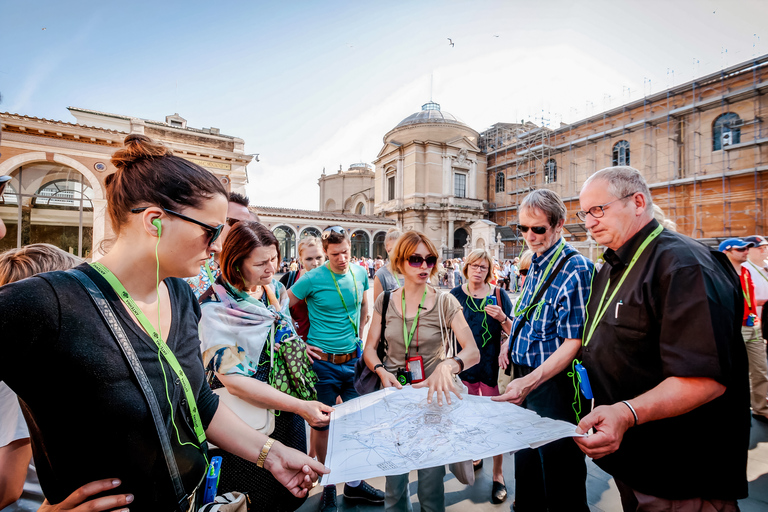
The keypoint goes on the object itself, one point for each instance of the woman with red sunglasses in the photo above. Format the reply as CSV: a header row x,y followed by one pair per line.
x,y
416,352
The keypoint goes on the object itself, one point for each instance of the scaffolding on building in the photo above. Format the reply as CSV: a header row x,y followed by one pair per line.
x,y
709,176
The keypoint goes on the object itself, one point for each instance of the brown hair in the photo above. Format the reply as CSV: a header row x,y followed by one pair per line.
x,y
406,246
332,237
149,174
478,254
243,238
17,264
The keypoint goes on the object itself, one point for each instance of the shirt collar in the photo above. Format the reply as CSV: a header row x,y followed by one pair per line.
x,y
544,258
621,256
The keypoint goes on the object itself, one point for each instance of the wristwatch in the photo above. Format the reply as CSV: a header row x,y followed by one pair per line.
x,y
461,363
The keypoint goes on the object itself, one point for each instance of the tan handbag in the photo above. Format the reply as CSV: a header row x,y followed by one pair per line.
x,y
463,471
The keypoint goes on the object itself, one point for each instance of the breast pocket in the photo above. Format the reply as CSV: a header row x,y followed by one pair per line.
x,y
629,320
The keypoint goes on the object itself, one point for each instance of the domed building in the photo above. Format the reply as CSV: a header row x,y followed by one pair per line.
x,y
430,176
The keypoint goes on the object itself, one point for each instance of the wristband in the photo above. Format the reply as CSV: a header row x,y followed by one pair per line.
x,y
264,453
631,409
380,365
461,363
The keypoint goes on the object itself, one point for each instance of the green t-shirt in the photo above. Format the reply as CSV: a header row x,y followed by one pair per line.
x,y
329,325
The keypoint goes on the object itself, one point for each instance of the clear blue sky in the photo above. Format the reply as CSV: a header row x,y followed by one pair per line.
x,y
317,84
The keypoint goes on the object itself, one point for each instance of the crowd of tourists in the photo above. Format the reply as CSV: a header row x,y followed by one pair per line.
x,y
141,378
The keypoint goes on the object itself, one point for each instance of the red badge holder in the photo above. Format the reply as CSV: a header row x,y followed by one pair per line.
x,y
415,365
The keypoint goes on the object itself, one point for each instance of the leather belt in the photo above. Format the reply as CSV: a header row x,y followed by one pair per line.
x,y
338,358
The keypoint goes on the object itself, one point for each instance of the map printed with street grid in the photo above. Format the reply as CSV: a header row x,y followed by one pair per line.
x,y
391,432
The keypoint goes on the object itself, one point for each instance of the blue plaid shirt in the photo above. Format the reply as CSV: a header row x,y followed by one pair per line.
x,y
563,311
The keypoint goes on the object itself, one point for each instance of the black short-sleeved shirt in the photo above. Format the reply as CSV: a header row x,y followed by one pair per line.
x,y
678,314
87,417
487,370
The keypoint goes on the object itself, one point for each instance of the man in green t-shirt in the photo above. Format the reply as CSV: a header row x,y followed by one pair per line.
x,y
338,310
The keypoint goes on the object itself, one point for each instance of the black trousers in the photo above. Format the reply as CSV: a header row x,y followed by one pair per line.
x,y
553,477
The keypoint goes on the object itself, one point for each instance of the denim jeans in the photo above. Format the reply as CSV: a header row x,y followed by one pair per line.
x,y
431,491
334,380
552,477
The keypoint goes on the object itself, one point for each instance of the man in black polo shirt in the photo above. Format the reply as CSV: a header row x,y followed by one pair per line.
x,y
663,351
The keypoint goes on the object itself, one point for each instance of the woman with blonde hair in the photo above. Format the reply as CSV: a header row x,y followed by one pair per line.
x,y
415,347
486,310
310,257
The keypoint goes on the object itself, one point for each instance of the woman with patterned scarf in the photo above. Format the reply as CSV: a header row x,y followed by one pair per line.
x,y
245,330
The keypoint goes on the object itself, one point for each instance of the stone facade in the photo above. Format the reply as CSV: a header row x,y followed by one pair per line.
x,y
349,191
57,192
431,177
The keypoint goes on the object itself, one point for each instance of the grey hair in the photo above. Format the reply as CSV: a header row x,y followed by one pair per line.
x,y
622,181
548,202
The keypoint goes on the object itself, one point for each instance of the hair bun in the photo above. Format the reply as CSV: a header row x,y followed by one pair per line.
x,y
138,147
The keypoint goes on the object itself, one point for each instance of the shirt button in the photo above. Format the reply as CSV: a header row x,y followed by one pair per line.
x,y
184,402
177,381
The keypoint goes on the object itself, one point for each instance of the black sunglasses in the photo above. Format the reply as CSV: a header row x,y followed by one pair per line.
x,y
415,260
333,229
539,230
213,231
523,271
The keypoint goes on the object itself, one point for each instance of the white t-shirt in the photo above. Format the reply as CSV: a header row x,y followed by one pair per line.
x,y
760,278
12,424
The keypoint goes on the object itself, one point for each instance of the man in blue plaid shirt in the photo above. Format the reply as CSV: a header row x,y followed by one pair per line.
x,y
552,477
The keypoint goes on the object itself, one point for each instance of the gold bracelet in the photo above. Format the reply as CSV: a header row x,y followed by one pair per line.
x,y
264,452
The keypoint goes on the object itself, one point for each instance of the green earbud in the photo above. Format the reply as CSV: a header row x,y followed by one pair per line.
x,y
159,227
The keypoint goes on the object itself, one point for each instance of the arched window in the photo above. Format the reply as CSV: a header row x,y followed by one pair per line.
x,y
379,249
309,232
360,244
330,205
48,203
621,153
550,171
360,208
286,239
500,181
726,130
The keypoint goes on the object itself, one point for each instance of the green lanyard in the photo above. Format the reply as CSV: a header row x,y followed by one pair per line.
x,y
407,338
759,272
343,303
541,281
745,293
470,302
603,306
211,279
161,346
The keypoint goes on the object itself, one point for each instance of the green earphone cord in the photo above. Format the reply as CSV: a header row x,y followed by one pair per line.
x,y
165,377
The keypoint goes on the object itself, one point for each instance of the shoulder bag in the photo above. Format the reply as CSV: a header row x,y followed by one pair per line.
x,y
366,381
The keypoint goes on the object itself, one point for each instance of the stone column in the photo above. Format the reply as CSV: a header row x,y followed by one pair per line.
x,y
450,235
99,222
447,178
472,180
400,182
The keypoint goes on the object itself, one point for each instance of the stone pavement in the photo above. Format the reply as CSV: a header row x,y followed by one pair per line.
x,y
602,494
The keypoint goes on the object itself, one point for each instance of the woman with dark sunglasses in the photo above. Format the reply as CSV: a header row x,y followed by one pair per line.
x,y
89,418
416,351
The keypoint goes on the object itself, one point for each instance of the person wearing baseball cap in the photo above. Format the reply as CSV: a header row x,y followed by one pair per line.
x,y
737,250
757,264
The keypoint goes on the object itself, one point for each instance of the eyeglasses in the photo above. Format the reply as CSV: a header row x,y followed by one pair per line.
x,y
599,210
213,231
231,222
523,271
740,249
539,230
415,260
481,268
327,232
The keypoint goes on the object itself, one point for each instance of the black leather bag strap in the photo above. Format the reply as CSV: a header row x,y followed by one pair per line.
x,y
536,299
102,304
381,349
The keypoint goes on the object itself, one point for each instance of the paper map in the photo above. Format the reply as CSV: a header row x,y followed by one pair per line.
x,y
391,432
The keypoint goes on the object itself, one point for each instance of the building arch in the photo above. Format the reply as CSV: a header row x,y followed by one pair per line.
x,y
361,243
360,208
330,205
726,130
550,171
38,156
480,244
286,240
379,247
500,181
310,231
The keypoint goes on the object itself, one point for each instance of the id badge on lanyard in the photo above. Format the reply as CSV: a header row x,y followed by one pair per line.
x,y
415,365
